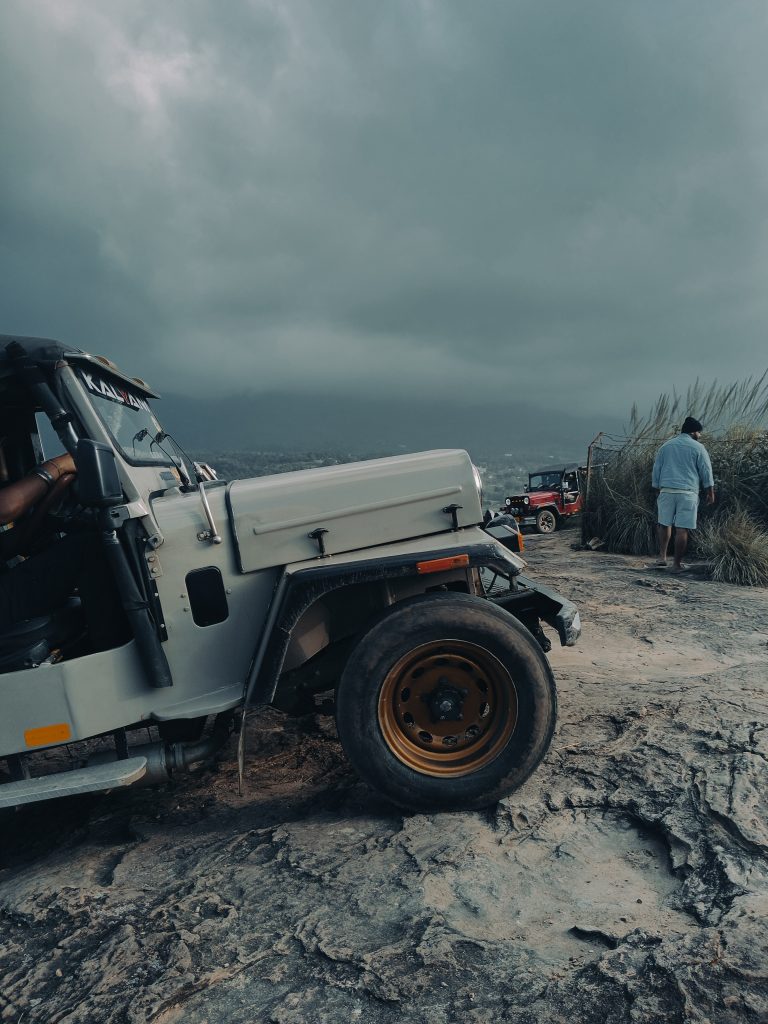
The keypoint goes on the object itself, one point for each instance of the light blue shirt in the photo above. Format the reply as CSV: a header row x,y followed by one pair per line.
x,y
682,463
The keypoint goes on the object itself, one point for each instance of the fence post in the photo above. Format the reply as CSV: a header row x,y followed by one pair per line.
x,y
586,489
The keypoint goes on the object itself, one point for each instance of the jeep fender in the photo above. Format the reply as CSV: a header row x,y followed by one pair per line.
x,y
549,508
298,587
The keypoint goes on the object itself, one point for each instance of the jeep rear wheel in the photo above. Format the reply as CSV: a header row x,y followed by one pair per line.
x,y
446,703
546,520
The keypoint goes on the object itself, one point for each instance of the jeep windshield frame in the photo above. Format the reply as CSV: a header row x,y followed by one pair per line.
x,y
127,417
549,481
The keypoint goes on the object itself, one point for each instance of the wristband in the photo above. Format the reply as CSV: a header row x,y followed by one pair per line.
x,y
43,473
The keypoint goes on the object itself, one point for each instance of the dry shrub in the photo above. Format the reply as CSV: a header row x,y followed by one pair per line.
x,y
737,549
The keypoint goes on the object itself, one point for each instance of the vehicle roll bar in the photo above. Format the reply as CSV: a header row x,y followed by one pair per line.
x,y
31,376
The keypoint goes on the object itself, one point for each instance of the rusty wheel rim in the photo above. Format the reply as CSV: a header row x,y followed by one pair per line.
x,y
447,708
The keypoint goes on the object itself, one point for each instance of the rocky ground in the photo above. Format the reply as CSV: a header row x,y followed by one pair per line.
x,y
627,881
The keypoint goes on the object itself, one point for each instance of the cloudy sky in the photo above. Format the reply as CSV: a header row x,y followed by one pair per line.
x,y
565,200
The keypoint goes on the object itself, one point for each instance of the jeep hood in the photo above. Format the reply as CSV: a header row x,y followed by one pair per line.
x,y
359,505
535,497
541,497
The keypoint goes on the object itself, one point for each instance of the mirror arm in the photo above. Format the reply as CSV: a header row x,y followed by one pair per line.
x,y
211,534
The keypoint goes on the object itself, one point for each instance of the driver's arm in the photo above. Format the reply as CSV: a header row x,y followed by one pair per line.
x,y
17,498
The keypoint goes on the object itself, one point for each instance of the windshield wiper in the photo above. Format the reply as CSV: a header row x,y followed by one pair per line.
x,y
179,463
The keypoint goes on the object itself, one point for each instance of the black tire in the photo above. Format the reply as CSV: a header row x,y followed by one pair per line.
x,y
546,520
451,639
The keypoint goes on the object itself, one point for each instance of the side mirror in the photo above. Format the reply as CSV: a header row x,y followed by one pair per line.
x,y
98,483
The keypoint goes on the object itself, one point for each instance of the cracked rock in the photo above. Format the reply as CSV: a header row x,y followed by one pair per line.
x,y
626,882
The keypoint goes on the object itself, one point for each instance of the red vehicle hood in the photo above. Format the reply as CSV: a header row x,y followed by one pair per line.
x,y
536,498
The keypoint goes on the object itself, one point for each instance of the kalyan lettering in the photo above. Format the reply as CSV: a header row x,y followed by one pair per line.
x,y
110,391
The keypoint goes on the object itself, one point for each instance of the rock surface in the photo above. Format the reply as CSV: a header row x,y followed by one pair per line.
x,y
627,881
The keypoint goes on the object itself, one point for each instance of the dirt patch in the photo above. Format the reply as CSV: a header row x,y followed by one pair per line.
x,y
627,881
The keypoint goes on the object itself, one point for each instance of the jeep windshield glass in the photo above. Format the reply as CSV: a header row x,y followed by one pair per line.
x,y
128,417
545,481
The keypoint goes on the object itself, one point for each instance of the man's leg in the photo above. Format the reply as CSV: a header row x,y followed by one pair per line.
x,y
42,583
686,512
681,544
664,533
665,512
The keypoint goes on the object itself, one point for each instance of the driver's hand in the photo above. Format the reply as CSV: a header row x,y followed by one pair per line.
x,y
64,464
65,480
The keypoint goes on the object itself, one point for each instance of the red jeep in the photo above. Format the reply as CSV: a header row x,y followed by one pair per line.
x,y
551,496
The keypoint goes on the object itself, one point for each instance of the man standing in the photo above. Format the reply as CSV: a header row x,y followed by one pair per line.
x,y
682,467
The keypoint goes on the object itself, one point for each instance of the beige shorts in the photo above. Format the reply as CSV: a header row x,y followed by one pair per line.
x,y
678,508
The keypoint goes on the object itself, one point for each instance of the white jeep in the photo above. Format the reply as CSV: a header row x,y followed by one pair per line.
x,y
367,583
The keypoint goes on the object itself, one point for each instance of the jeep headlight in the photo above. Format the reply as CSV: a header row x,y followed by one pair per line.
x,y
526,501
478,481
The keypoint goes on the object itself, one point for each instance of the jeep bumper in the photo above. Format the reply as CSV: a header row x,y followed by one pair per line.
x,y
529,597
561,614
568,624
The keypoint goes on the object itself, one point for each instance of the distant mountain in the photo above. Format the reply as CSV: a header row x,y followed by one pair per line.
x,y
288,422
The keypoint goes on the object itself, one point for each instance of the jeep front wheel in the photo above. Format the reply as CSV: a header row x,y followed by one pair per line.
x,y
546,520
447,703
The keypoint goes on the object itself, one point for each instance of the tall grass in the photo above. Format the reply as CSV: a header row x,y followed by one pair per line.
x,y
622,507
719,407
737,549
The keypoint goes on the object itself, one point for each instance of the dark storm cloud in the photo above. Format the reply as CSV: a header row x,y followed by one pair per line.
x,y
379,195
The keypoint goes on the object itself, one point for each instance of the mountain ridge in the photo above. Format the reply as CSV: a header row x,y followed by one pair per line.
x,y
292,421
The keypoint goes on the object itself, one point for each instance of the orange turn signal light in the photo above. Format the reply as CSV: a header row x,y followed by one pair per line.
x,y
46,734
441,564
